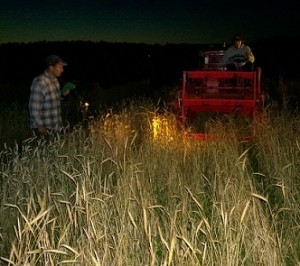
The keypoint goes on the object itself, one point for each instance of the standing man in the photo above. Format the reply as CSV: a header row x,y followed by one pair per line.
x,y
45,96
238,56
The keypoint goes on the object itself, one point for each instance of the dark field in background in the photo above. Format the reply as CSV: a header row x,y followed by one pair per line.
x,y
97,67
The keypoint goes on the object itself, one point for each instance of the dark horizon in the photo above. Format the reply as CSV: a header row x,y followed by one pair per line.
x,y
271,37
270,53
98,66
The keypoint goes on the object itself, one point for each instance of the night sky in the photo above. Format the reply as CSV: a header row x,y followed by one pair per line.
x,y
169,21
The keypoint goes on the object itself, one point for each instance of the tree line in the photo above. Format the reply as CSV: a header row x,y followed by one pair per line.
x,y
111,64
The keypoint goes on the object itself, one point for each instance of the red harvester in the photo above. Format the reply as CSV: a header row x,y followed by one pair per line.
x,y
215,91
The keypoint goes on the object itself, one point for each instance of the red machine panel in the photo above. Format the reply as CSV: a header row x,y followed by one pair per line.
x,y
220,91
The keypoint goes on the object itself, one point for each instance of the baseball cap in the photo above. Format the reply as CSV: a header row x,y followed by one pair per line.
x,y
237,37
52,60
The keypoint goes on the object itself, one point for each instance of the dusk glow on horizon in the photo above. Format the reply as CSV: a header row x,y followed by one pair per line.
x,y
144,22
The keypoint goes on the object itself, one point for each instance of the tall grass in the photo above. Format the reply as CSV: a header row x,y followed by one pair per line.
x,y
130,192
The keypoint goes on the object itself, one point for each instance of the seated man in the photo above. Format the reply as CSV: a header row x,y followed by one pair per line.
x,y
238,56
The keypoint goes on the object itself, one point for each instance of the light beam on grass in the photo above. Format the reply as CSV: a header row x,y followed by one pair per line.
x,y
162,129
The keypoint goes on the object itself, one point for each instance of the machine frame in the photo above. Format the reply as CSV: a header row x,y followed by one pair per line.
x,y
213,89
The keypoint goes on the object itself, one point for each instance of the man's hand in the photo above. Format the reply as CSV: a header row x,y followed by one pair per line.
x,y
67,88
65,92
42,130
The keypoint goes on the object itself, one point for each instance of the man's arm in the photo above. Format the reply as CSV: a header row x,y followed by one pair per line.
x,y
249,55
35,104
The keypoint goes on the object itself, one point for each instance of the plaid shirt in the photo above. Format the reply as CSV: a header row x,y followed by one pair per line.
x,y
44,102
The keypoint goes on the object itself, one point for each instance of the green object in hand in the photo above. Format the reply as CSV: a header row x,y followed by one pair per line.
x,y
69,86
